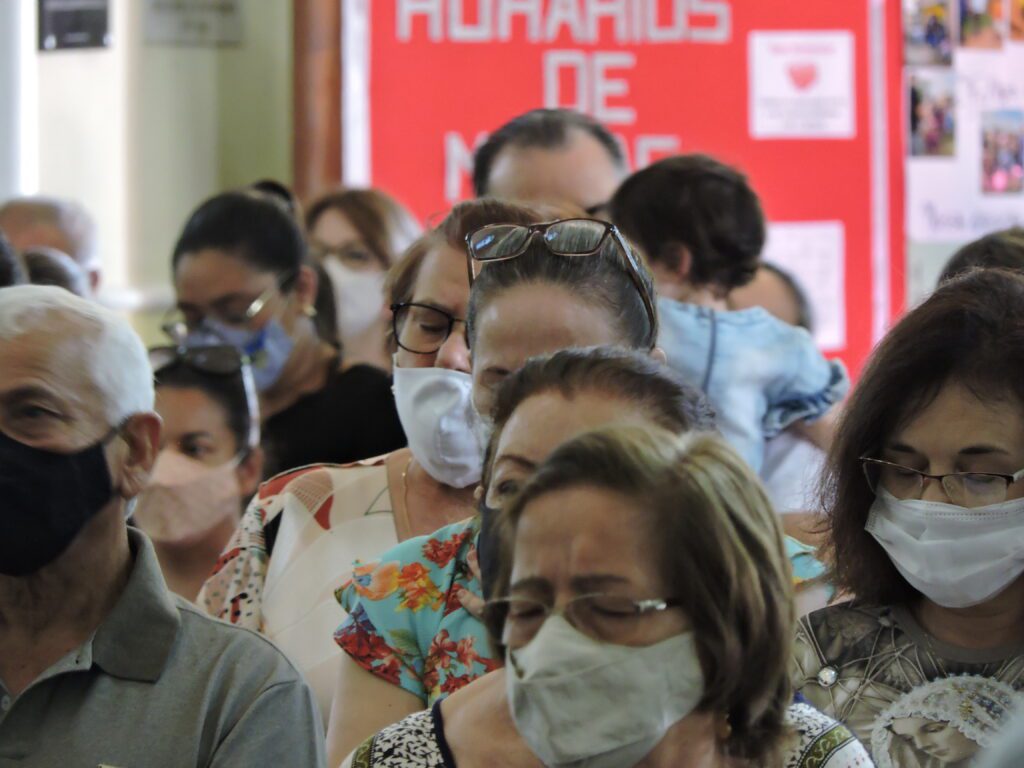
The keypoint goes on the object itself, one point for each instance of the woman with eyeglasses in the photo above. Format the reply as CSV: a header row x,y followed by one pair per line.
x,y
210,460
925,497
298,539
537,289
356,236
644,612
241,278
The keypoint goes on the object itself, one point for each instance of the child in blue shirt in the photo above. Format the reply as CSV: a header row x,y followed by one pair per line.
x,y
702,230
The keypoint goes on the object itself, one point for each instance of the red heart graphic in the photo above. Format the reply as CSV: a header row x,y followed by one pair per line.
x,y
803,75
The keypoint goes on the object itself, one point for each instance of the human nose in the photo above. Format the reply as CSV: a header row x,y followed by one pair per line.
x,y
454,353
934,489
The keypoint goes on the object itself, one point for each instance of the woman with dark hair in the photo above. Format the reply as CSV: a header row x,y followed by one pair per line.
x,y
241,278
356,236
925,500
301,534
537,289
210,460
644,612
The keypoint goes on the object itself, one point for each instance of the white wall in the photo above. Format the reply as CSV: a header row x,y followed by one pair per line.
x,y
141,134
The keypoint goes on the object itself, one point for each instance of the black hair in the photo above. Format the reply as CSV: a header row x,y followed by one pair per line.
x,y
700,203
545,128
252,226
228,391
998,249
11,271
602,278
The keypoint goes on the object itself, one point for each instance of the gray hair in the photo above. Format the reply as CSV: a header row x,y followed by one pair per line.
x,y
118,362
66,216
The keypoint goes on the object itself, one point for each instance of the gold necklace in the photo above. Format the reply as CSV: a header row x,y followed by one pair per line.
x,y
405,491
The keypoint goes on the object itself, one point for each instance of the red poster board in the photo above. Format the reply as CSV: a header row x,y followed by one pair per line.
x,y
803,96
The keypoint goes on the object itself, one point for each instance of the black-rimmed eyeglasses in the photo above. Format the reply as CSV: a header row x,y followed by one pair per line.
x,y
422,328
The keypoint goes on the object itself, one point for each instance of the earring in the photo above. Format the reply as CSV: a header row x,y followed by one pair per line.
x,y
724,729
309,311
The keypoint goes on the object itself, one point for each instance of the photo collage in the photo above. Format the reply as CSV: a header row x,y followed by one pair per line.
x,y
934,32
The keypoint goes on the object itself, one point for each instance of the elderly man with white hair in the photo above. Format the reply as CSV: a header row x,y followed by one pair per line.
x,y
99,664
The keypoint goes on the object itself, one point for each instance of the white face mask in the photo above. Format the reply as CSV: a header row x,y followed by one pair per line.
x,y
435,406
955,556
358,297
186,499
580,703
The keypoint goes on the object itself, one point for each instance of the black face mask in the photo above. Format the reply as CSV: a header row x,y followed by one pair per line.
x,y
488,548
46,498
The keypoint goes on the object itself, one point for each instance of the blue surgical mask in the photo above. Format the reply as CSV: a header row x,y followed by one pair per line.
x,y
267,349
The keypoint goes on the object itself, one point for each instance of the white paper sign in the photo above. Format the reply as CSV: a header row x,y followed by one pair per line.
x,y
193,22
801,85
814,252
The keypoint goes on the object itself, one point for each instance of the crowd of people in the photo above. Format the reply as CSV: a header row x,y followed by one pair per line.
x,y
561,480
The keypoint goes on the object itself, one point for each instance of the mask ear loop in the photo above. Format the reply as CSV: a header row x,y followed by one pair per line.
x,y
252,403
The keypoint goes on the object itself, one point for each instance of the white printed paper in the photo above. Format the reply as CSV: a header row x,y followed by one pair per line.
x,y
814,252
802,85
200,23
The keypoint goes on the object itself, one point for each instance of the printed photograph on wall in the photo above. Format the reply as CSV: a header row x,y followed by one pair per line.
x,y
1002,151
1017,20
981,24
932,113
927,32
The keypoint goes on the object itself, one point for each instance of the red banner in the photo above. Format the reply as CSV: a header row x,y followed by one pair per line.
x,y
803,97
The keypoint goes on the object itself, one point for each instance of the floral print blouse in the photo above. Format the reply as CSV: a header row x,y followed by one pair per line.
x,y
407,625
405,621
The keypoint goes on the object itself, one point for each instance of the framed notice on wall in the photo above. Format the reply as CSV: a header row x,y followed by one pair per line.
x,y
798,95
73,24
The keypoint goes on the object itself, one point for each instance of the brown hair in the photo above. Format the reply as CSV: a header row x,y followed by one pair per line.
x,y
604,279
970,331
384,224
621,373
460,221
720,550
998,249
700,203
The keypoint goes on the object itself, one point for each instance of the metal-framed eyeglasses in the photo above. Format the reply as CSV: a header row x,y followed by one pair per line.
x,y
965,489
604,617
178,324
564,237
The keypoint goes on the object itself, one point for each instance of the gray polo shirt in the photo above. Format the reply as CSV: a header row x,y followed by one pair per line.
x,y
163,684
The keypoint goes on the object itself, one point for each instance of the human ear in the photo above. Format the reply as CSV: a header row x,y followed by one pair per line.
x,y
685,262
658,355
249,473
141,436
305,287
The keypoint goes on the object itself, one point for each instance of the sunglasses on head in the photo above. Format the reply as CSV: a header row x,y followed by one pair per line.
x,y
220,360
566,237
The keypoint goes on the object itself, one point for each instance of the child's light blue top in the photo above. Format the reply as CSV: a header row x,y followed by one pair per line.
x,y
760,374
